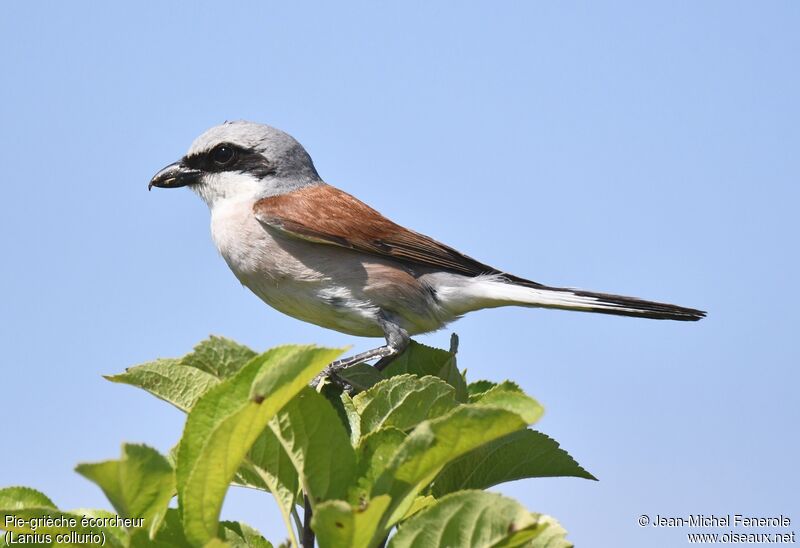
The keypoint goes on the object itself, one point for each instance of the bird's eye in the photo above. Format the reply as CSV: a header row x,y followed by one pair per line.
x,y
223,155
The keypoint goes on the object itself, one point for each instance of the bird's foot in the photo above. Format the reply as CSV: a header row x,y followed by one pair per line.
x,y
331,371
397,340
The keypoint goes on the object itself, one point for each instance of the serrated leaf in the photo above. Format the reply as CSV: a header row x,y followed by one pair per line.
x,y
548,533
20,505
403,401
374,453
340,525
287,361
554,535
121,535
477,519
361,376
182,381
170,535
139,485
246,476
435,443
481,388
418,359
420,503
338,399
219,357
19,497
227,420
269,458
272,466
450,374
510,397
478,387
522,454
317,444
168,380
353,418
241,535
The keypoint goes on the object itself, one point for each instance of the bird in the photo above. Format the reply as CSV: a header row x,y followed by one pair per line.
x,y
318,254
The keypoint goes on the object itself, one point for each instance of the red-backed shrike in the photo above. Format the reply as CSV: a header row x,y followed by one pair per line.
x,y
320,255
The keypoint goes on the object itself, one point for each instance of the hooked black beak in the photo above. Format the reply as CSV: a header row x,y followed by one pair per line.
x,y
174,176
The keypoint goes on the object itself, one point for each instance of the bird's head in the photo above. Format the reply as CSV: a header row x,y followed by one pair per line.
x,y
240,160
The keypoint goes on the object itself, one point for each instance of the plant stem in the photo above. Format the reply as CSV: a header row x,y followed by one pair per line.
x,y
298,525
308,534
285,514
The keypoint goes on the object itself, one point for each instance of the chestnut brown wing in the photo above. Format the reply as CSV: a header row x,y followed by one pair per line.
x,y
327,215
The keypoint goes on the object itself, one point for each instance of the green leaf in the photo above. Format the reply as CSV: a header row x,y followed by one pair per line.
x,y
420,503
418,359
225,423
285,363
168,380
374,453
435,443
17,498
478,387
522,454
241,535
273,468
547,533
450,374
121,535
361,376
182,381
478,519
340,525
317,444
342,403
510,397
170,535
422,360
403,401
139,485
247,475
20,505
219,357
353,418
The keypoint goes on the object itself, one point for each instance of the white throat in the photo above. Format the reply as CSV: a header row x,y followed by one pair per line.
x,y
227,186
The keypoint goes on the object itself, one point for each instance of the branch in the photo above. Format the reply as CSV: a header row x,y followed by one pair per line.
x,y
308,534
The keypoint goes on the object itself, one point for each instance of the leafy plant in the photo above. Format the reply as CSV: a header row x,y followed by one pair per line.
x,y
402,458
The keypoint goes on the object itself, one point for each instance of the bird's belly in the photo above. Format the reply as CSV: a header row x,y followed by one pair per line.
x,y
308,282
325,285
319,303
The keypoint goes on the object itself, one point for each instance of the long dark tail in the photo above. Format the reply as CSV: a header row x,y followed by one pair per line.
x,y
620,305
526,293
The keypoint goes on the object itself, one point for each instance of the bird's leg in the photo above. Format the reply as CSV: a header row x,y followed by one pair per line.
x,y
384,362
397,340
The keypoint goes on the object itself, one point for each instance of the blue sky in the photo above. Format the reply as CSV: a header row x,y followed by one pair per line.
x,y
644,150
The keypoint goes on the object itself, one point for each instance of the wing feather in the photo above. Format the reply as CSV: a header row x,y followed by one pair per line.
x,y
327,215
